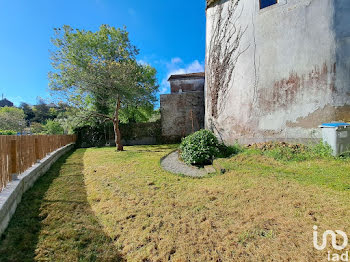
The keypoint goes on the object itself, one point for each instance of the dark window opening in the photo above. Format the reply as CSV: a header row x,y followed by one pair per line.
x,y
267,3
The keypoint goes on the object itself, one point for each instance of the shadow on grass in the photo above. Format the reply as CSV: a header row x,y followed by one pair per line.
x,y
151,148
54,221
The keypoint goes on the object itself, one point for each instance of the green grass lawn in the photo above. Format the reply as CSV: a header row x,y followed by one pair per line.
x,y
328,173
99,205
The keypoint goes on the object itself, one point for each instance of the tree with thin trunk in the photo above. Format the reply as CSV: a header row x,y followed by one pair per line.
x,y
98,74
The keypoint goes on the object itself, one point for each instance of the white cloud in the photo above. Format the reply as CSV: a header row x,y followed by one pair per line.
x,y
177,66
176,60
195,67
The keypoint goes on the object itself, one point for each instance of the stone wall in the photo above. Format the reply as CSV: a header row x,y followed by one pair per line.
x,y
182,113
132,134
141,133
284,71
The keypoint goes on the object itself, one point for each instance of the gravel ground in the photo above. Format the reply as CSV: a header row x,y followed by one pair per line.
x,y
173,164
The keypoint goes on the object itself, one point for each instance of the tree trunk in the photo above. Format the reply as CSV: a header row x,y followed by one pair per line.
x,y
117,134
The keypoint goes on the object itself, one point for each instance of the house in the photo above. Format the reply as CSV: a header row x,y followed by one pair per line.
x,y
182,111
276,69
4,102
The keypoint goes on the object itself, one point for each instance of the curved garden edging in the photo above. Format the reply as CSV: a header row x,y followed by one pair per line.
x,y
173,164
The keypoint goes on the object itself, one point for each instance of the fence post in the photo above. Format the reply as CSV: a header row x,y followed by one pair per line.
x,y
14,159
36,149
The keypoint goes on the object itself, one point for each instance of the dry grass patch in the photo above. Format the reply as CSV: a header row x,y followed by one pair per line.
x,y
260,210
240,216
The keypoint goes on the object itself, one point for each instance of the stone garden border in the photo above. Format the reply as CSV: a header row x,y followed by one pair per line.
x,y
174,165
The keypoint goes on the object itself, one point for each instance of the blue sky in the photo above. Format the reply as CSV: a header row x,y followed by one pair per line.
x,y
170,36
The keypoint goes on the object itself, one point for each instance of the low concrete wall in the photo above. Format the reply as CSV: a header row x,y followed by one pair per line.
x,y
11,195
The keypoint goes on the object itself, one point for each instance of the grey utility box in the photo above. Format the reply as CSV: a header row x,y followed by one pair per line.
x,y
337,135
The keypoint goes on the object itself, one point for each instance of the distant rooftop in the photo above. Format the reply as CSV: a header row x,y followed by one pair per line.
x,y
184,76
4,102
51,105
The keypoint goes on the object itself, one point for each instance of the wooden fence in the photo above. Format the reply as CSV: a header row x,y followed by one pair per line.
x,y
18,153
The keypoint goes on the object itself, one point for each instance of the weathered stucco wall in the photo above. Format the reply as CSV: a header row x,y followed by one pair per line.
x,y
187,85
342,35
279,72
179,112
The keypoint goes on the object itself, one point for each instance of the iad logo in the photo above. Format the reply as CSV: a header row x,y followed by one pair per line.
x,y
333,235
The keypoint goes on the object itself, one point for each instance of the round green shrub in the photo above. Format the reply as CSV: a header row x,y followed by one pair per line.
x,y
199,148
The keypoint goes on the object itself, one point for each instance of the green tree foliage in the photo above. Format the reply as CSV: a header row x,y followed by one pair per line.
x,y
97,72
53,127
70,120
132,114
36,128
28,111
12,118
156,116
41,112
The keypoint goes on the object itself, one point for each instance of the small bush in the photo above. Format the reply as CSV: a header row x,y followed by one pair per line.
x,y
7,132
199,148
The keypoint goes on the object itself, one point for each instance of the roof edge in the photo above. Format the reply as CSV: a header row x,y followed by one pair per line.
x,y
187,76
